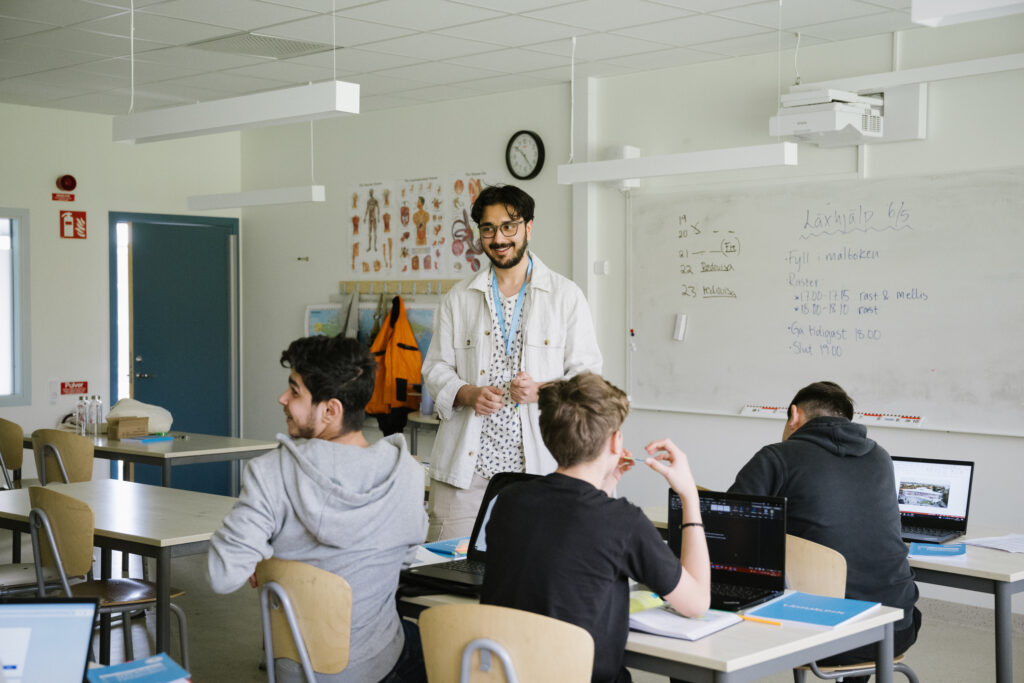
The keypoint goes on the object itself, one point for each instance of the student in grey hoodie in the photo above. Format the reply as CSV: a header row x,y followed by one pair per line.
x,y
328,497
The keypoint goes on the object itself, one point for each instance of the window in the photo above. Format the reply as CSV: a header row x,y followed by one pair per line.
x,y
15,387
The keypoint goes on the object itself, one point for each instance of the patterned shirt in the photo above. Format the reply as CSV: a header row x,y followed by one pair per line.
x,y
501,435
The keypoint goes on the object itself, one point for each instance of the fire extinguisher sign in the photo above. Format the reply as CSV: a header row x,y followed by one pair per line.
x,y
72,225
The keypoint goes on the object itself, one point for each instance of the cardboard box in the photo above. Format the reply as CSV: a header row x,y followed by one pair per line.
x,y
123,427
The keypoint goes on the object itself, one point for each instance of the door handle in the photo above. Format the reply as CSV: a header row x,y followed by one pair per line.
x,y
144,375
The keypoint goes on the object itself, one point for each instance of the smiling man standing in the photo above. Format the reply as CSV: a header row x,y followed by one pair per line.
x,y
498,337
327,497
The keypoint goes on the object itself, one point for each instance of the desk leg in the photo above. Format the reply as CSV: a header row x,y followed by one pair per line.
x,y
16,548
1004,641
163,600
105,567
413,436
884,657
165,474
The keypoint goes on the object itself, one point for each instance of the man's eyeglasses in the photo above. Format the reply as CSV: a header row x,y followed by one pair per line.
x,y
508,229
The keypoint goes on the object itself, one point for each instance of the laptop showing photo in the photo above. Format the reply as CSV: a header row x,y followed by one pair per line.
x,y
934,497
746,538
466,576
43,640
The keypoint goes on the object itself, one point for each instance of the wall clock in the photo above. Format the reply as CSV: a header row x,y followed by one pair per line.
x,y
524,155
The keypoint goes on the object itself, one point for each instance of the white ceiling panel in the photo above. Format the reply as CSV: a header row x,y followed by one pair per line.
x,y
115,102
871,25
355,60
512,60
87,42
510,83
441,93
54,13
438,72
12,28
346,32
759,44
512,31
42,57
417,15
597,46
199,60
609,15
231,83
145,72
429,46
797,13
663,59
243,15
692,30
374,84
704,6
156,28
287,71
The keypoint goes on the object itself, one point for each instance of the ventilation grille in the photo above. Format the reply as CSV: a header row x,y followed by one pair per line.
x,y
258,45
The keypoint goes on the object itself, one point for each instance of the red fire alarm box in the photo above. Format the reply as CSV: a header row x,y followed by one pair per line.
x,y
72,225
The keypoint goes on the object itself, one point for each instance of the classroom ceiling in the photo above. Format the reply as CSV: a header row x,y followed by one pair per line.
x,y
76,54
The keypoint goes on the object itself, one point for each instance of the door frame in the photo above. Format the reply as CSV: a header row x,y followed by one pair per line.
x,y
231,224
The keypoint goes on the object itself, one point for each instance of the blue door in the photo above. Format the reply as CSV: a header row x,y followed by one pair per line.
x,y
183,322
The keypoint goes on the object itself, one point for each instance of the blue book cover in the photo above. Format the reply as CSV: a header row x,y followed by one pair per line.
x,y
452,547
814,610
156,669
936,550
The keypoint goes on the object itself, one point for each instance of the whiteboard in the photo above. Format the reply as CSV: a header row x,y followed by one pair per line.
x,y
909,292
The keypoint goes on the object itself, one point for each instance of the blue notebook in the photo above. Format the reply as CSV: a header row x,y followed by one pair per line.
x,y
812,610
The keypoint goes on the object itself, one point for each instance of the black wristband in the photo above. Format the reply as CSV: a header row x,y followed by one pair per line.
x,y
692,524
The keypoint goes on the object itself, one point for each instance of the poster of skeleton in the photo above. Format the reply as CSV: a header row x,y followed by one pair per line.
x,y
373,244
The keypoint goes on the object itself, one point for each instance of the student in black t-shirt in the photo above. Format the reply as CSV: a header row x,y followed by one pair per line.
x,y
562,546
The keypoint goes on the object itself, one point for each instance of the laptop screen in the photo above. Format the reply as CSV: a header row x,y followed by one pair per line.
x,y
45,639
933,493
746,536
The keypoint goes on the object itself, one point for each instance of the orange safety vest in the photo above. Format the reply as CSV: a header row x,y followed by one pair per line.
x,y
399,361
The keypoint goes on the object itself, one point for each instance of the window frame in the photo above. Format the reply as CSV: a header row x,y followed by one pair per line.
x,y
20,310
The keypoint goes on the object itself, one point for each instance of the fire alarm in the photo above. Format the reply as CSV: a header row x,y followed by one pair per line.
x,y
67,183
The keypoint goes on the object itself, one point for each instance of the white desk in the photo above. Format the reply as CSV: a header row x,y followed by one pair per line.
x,y
744,652
984,570
152,521
998,573
185,449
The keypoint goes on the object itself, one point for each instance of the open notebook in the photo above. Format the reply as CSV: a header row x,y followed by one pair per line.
x,y
44,640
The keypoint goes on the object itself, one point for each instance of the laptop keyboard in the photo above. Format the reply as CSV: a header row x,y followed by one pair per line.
x,y
923,531
464,566
741,593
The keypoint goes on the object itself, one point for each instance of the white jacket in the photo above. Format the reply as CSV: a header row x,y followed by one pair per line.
x,y
558,342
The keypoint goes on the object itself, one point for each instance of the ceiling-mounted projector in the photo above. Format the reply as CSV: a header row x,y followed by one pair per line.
x,y
828,117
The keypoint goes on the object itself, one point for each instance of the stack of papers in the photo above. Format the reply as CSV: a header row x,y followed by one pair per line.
x,y
663,621
1012,543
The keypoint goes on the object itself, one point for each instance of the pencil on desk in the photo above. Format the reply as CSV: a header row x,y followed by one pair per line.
x,y
760,621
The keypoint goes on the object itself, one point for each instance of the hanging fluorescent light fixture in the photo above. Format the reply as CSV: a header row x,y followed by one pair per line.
x,y
276,107
945,12
727,159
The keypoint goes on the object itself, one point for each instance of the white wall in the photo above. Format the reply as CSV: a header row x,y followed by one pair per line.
x,y
70,325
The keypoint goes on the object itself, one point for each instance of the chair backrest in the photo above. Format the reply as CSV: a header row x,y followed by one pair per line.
x,y
12,448
541,648
815,568
74,450
72,523
322,602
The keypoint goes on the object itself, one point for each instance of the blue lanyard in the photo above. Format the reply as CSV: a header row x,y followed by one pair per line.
x,y
508,334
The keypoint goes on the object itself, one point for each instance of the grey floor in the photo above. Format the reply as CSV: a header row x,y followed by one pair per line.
x,y
955,645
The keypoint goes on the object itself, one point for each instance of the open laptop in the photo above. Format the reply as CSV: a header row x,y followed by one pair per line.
x,y
746,538
43,640
466,576
934,497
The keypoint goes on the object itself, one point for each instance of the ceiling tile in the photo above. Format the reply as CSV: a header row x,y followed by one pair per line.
x,y
662,59
244,15
511,61
200,60
41,57
229,83
187,94
145,71
156,28
54,13
512,31
606,15
797,13
759,44
562,74
698,28
508,83
12,28
429,46
418,15
87,42
887,22
354,60
287,71
438,72
600,46
890,4
514,6
115,102
373,84
20,88
703,5
441,93
347,32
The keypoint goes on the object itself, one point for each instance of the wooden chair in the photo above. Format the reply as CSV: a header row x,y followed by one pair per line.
x,y
12,449
307,616
815,568
62,456
67,525
19,577
458,641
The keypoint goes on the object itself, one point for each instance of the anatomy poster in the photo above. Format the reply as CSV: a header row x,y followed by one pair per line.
x,y
416,227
